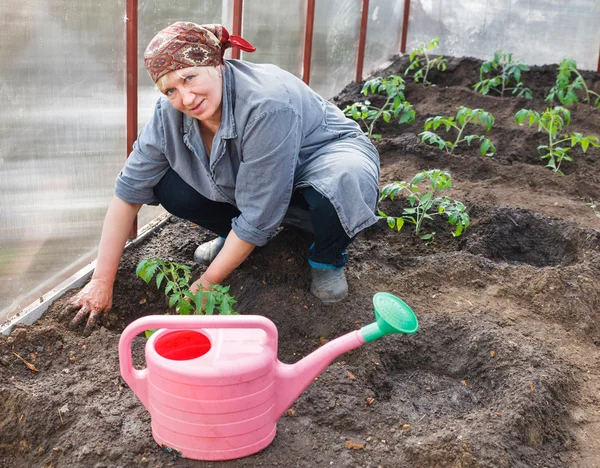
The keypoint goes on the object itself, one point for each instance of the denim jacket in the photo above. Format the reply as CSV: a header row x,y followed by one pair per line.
x,y
275,135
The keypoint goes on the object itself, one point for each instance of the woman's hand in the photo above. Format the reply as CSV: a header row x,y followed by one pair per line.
x,y
201,282
94,299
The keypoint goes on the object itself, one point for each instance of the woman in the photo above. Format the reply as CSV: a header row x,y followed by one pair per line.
x,y
234,146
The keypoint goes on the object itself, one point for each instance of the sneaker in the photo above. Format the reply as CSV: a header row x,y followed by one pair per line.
x,y
207,252
298,218
329,284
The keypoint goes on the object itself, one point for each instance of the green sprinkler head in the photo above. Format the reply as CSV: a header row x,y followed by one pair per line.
x,y
392,315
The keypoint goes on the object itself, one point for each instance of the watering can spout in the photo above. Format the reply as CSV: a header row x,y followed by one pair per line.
x,y
392,316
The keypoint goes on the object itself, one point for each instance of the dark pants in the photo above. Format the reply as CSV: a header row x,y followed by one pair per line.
x,y
183,201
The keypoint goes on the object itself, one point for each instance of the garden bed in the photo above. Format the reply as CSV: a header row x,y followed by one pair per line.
x,y
504,370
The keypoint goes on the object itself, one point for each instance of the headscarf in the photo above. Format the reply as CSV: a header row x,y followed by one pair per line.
x,y
184,44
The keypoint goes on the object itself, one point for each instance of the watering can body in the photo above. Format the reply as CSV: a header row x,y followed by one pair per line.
x,y
210,389
213,385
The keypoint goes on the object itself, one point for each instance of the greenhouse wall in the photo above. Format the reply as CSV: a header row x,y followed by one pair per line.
x,y
63,122
537,32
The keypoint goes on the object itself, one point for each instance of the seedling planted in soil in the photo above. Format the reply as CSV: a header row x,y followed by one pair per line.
x,y
464,116
503,70
568,82
593,206
425,205
395,105
421,62
552,121
177,289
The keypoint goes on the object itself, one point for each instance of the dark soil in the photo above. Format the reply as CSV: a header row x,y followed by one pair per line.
x,y
504,371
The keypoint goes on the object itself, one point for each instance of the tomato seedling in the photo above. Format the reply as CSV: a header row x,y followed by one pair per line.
x,y
421,62
592,205
552,121
424,205
503,70
395,105
464,116
568,82
176,278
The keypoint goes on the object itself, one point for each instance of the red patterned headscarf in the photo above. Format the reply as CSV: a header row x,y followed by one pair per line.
x,y
184,44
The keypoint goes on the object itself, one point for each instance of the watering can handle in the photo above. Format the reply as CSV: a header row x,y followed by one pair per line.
x,y
136,378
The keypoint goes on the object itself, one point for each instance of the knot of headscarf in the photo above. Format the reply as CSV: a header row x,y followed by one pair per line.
x,y
184,44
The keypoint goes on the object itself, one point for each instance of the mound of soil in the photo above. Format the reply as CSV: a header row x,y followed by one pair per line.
x,y
504,371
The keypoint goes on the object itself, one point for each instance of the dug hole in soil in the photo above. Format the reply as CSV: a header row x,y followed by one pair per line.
x,y
504,371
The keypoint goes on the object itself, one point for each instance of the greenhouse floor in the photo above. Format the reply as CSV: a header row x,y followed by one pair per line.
x,y
504,371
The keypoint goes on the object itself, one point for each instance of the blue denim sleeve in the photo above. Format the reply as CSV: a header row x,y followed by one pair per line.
x,y
265,180
146,164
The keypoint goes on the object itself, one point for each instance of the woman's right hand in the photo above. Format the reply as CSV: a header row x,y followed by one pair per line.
x,y
95,300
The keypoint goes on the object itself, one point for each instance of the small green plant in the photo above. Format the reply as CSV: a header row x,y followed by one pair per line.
x,y
421,62
395,105
176,279
503,69
592,205
552,121
424,205
464,116
568,82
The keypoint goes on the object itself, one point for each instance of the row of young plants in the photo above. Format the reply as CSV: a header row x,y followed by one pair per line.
x,y
552,121
503,73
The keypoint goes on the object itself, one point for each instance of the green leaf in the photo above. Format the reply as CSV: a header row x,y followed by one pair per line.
x,y
408,116
173,299
184,307
210,304
399,223
143,264
487,148
159,279
225,308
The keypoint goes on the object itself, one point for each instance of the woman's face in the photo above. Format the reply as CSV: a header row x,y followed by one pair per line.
x,y
195,91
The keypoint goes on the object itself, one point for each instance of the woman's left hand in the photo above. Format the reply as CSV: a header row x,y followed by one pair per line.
x,y
201,282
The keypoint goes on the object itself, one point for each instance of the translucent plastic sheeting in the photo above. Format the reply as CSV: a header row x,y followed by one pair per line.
x,y
536,32
384,31
276,29
62,128
335,45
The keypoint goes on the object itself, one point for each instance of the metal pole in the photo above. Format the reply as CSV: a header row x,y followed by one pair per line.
x,y
237,25
405,26
132,84
362,40
598,61
308,37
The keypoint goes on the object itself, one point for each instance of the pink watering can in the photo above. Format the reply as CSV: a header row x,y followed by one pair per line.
x,y
213,384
